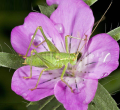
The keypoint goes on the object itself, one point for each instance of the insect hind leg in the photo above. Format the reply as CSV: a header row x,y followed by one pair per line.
x,y
46,69
32,51
64,80
38,79
36,46
31,42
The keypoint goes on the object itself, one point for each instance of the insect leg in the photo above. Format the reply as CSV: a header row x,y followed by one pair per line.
x,y
38,79
49,43
47,63
31,42
66,41
63,79
51,46
46,69
84,43
36,46
30,66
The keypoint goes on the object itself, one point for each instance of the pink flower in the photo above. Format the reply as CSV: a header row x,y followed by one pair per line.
x,y
99,56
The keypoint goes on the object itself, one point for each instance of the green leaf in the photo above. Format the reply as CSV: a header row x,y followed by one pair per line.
x,y
10,60
102,100
47,10
90,2
48,102
115,33
112,83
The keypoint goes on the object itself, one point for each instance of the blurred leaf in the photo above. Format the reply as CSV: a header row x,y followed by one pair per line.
x,y
47,10
115,33
36,2
10,60
15,5
90,2
102,100
53,105
48,102
11,19
112,82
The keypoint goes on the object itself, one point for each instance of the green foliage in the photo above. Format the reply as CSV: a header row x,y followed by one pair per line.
x,y
12,61
48,102
90,2
102,100
112,82
47,10
115,33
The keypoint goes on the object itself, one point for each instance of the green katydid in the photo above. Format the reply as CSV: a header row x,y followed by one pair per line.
x,y
52,59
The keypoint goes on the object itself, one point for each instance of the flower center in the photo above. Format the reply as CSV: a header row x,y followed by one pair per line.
x,y
71,70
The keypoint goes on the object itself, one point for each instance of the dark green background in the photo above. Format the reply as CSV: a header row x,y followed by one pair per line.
x,y
13,12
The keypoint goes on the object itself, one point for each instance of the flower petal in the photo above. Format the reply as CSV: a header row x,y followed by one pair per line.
x,y
45,87
65,13
22,35
82,28
76,18
84,92
101,57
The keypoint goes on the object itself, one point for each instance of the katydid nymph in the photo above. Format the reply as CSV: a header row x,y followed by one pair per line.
x,y
53,59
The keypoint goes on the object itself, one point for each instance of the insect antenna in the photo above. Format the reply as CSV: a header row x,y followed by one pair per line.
x,y
101,18
92,31
33,8
10,49
1,48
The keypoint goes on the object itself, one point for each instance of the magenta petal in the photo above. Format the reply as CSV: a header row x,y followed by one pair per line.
x,y
76,18
51,2
82,27
101,57
21,35
77,100
65,13
45,87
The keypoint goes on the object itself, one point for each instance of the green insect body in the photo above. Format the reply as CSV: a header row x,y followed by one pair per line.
x,y
57,59
50,60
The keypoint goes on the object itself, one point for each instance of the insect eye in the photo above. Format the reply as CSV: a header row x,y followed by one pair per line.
x,y
79,55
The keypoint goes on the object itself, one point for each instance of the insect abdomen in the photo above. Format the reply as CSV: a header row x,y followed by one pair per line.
x,y
57,59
